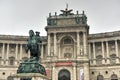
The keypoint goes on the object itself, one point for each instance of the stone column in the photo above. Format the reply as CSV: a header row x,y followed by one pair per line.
x,y
90,51
16,54
48,44
78,43
94,55
53,73
86,72
55,44
103,53
16,78
3,52
7,54
21,52
42,51
116,50
34,78
59,50
85,43
74,71
107,51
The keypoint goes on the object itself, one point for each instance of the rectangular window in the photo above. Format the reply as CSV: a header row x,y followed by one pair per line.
x,y
82,74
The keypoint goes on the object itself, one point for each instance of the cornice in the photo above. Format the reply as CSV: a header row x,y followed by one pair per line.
x,y
104,35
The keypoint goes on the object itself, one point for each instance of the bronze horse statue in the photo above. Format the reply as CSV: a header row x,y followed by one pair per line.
x,y
33,45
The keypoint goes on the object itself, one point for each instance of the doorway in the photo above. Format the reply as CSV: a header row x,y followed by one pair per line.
x,y
64,75
114,77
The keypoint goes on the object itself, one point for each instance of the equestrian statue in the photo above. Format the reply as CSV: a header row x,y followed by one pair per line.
x,y
32,64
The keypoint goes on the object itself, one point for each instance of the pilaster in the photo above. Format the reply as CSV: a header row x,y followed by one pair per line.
x,y
21,52
48,43
3,52
89,52
78,44
74,71
103,53
55,44
85,43
7,54
94,55
107,51
53,73
116,50
86,72
16,54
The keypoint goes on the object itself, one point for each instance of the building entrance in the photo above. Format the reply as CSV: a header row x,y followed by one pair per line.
x,y
64,75
114,77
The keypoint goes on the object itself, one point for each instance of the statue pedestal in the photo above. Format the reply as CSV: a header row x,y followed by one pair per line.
x,y
29,76
31,67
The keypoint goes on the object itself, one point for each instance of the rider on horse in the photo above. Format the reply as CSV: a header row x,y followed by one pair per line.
x,y
33,45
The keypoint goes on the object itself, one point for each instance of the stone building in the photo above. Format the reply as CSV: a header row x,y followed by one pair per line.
x,y
68,52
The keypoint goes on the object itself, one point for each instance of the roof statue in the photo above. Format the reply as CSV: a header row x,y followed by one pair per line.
x,y
66,18
67,11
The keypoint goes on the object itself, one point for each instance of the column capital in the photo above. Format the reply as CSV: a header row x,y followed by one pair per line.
x,y
42,44
89,42
116,40
16,43
21,43
48,33
93,42
84,32
55,33
7,43
3,42
74,64
102,41
106,41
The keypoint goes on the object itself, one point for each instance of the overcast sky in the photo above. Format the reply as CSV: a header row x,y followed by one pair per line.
x,y
17,17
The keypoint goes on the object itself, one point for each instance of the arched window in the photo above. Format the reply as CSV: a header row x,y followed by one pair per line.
x,y
114,77
10,78
99,59
113,58
67,41
100,77
11,60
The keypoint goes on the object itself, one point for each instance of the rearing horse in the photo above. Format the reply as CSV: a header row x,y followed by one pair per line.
x,y
33,45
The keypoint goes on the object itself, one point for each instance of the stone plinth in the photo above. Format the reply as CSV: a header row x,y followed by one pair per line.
x,y
31,67
29,76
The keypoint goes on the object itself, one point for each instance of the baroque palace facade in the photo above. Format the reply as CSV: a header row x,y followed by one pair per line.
x,y
68,52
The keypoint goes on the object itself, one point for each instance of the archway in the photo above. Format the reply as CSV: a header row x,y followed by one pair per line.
x,y
64,75
100,77
114,77
10,78
67,47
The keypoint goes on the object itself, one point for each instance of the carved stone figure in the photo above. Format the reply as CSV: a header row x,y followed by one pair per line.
x,y
84,18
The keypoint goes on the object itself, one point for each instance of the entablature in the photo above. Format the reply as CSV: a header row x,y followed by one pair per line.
x,y
63,29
